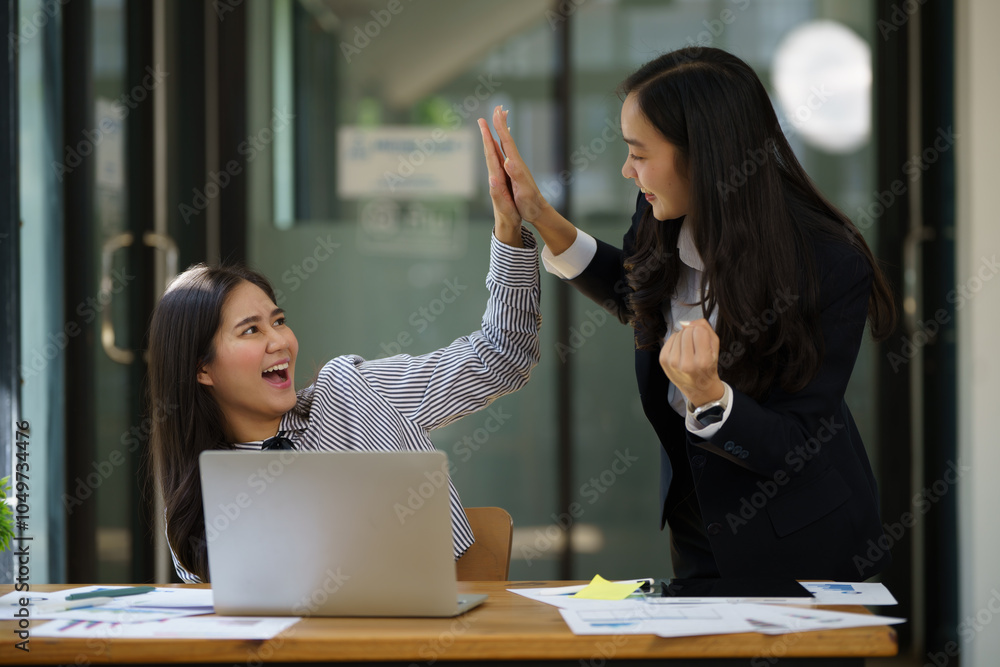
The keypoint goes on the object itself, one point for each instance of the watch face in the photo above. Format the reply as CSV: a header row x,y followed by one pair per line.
x,y
711,415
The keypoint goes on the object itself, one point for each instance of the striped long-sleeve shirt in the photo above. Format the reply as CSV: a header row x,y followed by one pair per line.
x,y
391,404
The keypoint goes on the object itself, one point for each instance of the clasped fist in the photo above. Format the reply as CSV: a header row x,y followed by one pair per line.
x,y
690,358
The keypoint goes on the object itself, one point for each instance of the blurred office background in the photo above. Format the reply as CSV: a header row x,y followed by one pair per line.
x,y
333,145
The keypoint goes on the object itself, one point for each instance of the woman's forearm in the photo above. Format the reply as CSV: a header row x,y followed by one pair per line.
x,y
509,234
557,232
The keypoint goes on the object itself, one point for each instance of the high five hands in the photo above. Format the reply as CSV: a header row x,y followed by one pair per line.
x,y
511,183
690,358
505,213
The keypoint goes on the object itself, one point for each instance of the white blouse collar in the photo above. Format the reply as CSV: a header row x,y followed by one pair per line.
x,y
686,248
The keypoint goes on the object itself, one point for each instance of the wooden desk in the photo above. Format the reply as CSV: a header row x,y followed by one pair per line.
x,y
505,627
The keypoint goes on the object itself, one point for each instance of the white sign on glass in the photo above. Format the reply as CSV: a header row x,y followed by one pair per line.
x,y
405,162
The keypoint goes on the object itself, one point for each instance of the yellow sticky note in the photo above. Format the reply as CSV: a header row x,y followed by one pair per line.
x,y
602,589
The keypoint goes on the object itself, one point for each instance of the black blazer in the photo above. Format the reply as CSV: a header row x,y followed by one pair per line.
x,y
784,489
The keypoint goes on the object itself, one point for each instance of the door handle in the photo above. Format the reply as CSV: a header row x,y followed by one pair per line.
x,y
912,294
168,247
159,242
111,246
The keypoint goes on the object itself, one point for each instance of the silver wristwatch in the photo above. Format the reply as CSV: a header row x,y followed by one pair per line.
x,y
710,413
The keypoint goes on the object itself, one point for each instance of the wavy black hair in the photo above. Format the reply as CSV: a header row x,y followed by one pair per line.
x,y
754,212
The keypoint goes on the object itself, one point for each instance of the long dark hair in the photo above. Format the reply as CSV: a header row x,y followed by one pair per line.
x,y
181,340
755,213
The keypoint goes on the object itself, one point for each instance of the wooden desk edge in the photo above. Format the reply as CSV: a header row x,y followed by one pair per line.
x,y
517,629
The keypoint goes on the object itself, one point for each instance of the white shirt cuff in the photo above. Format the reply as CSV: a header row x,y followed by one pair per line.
x,y
573,260
705,432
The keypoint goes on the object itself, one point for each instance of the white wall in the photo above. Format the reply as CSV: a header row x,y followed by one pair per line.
x,y
978,246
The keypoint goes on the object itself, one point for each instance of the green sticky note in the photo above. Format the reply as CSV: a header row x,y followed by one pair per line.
x,y
602,589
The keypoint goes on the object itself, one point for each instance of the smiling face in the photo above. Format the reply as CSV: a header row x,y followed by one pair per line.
x,y
252,373
652,164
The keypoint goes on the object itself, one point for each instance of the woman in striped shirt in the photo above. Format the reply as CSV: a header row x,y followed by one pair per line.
x,y
223,357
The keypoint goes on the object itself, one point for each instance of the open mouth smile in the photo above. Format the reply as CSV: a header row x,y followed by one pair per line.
x,y
277,374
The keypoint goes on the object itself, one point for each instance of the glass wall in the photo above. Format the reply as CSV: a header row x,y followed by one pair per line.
x,y
43,334
112,492
370,212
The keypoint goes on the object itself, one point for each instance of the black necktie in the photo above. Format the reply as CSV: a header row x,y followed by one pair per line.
x,y
277,442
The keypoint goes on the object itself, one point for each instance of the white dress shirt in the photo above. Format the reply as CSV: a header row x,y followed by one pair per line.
x,y
571,263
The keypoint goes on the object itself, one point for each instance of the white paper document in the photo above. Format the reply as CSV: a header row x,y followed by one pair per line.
x,y
835,592
779,620
663,620
674,620
685,617
156,605
208,627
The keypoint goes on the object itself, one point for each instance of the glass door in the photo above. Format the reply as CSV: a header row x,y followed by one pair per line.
x,y
118,256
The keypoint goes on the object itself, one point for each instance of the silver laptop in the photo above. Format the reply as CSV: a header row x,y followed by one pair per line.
x,y
330,534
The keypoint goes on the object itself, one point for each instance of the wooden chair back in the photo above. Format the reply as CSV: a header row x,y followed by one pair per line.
x,y
488,559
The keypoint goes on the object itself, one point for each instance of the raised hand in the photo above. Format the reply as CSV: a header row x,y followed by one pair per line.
x,y
527,197
506,218
518,184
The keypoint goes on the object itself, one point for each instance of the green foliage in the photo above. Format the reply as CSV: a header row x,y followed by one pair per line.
x,y
6,516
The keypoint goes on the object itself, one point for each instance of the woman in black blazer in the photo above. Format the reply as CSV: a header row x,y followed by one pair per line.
x,y
749,293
